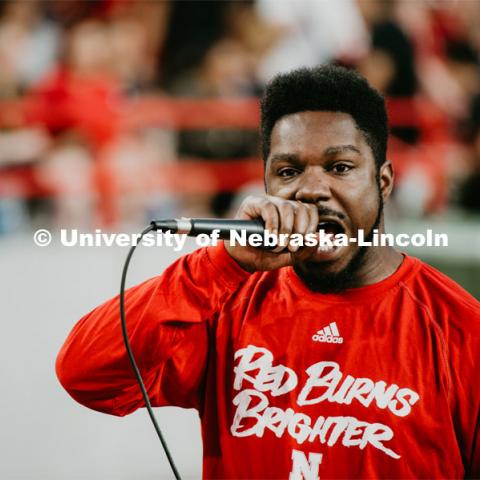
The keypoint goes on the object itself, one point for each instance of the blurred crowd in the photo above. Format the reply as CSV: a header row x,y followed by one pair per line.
x,y
70,72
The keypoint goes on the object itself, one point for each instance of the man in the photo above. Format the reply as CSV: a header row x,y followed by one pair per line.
x,y
334,362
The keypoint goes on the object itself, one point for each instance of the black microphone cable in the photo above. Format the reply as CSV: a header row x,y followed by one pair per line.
x,y
132,358
183,226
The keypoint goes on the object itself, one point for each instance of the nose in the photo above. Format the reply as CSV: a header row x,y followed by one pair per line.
x,y
314,186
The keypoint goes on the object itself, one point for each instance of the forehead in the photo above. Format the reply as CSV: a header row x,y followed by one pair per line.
x,y
312,132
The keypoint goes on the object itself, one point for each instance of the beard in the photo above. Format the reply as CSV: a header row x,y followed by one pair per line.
x,y
324,282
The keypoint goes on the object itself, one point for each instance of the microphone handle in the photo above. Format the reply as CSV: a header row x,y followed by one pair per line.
x,y
196,226
207,225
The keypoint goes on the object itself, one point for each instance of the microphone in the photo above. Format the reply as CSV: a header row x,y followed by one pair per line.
x,y
195,226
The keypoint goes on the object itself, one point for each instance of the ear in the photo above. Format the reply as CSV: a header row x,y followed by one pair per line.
x,y
386,177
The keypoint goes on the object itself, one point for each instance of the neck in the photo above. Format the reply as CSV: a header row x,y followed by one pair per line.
x,y
378,264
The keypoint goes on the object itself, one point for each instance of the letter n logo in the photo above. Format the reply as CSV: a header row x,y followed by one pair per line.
x,y
303,468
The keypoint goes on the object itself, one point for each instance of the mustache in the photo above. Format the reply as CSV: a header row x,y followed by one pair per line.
x,y
330,213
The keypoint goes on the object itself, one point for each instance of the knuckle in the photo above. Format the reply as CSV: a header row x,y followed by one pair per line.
x,y
248,200
289,214
297,206
313,211
252,200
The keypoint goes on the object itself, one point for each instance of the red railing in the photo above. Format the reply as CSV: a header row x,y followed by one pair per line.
x,y
184,176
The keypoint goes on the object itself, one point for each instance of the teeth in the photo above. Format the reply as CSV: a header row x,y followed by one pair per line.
x,y
325,248
331,225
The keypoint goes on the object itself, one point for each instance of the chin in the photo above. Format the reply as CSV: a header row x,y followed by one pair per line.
x,y
330,258
331,272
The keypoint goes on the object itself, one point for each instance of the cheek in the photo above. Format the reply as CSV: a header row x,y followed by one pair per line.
x,y
370,211
363,207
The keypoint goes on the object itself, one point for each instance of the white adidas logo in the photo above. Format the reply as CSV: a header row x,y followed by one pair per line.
x,y
328,334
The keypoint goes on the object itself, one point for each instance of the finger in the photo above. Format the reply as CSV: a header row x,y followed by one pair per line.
x,y
301,224
302,219
271,217
307,251
258,207
314,219
287,219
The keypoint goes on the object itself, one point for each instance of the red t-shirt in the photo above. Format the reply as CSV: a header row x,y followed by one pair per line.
x,y
376,382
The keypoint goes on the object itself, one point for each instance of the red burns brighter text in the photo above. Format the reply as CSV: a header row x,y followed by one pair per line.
x,y
256,376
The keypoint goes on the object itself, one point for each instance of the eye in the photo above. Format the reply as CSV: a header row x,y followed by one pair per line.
x,y
287,172
342,168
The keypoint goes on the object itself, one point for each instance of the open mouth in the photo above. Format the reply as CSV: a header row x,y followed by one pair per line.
x,y
331,227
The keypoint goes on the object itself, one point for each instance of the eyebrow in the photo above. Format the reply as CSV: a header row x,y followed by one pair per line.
x,y
285,157
341,149
329,152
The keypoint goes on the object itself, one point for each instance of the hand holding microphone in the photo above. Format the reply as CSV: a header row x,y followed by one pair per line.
x,y
255,215
280,217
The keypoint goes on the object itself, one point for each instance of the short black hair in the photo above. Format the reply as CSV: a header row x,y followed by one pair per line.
x,y
326,88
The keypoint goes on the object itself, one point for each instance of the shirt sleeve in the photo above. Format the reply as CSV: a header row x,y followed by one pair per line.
x,y
464,353
167,324
474,470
